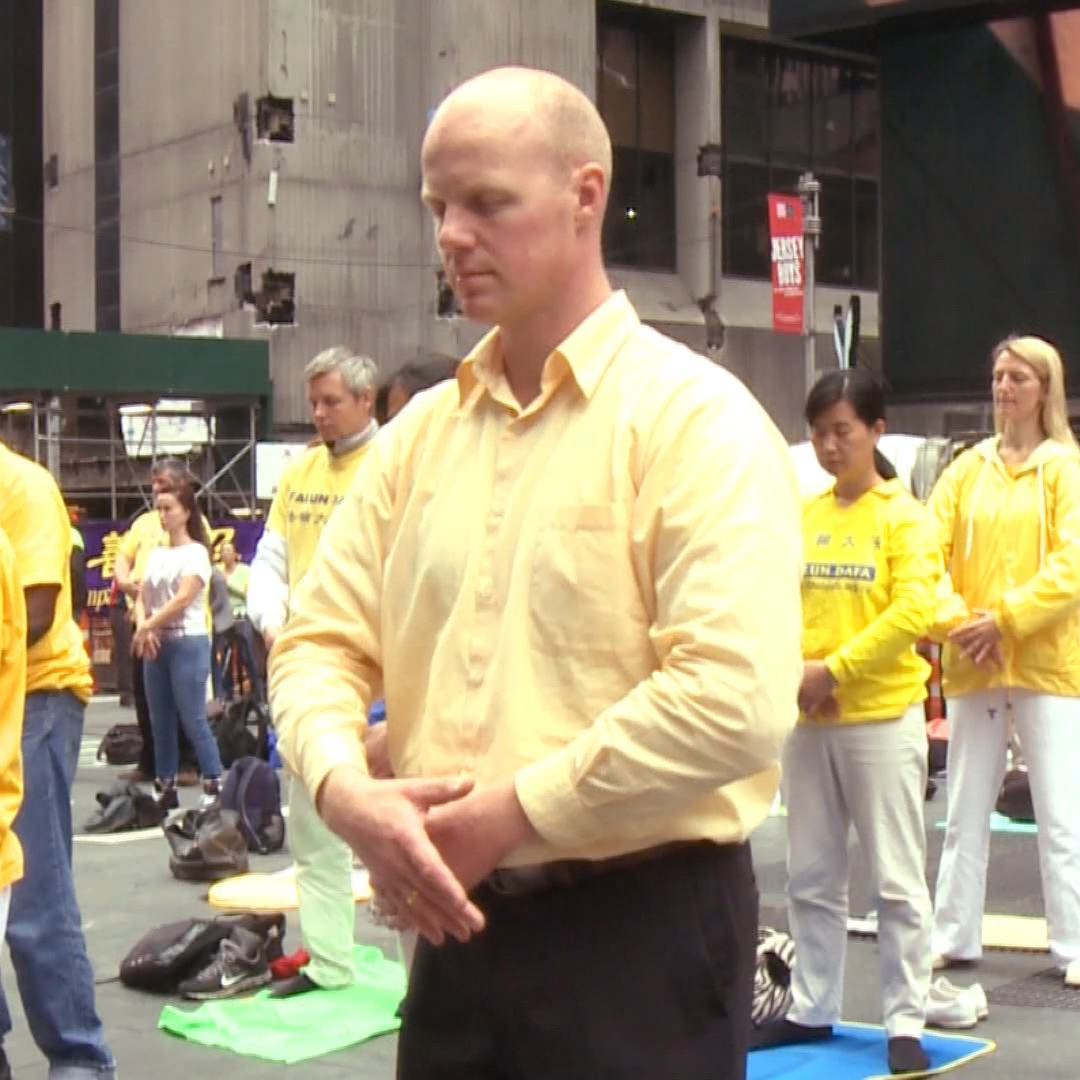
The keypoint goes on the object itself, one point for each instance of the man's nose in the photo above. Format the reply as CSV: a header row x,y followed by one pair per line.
x,y
455,231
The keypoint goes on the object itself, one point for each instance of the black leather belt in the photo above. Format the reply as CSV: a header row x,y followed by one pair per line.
x,y
565,873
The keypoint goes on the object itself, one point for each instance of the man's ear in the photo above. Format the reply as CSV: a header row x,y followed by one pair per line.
x,y
590,186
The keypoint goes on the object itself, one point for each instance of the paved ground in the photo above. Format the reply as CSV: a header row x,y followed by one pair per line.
x,y
126,888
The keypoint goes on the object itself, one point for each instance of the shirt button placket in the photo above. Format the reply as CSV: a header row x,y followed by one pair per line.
x,y
486,615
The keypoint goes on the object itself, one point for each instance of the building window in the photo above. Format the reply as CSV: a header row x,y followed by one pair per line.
x,y
217,265
275,119
786,111
636,97
275,303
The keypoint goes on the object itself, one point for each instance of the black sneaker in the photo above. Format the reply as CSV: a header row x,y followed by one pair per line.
x,y
239,966
167,799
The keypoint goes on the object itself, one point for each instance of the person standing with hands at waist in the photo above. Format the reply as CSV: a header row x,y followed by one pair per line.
x,y
341,392
859,754
142,537
172,640
1008,521
575,572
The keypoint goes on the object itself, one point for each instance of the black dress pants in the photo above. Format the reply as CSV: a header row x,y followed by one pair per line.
x,y
641,972
120,623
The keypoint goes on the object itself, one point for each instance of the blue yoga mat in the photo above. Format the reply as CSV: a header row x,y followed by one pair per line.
x,y
858,1052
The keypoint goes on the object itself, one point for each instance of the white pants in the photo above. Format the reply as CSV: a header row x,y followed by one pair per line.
x,y
1049,731
324,888
872,776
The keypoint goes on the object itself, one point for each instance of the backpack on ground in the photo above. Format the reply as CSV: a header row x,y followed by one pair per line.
x,y
123,807
165,956
252,789
242,730
207,845
121,745
772,976
1014,800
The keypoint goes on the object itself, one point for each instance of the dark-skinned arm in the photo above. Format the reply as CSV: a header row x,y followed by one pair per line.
x,y
40,611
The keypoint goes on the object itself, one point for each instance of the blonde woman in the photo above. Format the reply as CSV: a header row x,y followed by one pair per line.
x,y
1008,515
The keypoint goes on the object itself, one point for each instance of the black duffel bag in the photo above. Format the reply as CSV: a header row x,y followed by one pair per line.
x,y
165,956
121,745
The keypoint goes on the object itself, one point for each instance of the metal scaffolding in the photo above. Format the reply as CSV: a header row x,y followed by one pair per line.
x,y
102,456
98,410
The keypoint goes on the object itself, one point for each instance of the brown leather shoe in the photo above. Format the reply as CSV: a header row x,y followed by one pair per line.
x,y
187,777
135,775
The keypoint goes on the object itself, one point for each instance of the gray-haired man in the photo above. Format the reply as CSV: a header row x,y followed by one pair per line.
x,y
341,390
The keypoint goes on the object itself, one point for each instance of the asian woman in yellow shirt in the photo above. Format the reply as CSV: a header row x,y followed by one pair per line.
x,y
859,753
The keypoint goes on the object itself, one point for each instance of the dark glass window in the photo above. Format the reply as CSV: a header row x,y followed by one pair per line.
x,y
22,300
786,111
107,163
636,97
746,228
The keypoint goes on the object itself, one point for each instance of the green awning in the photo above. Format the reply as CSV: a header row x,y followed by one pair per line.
x,y
132,365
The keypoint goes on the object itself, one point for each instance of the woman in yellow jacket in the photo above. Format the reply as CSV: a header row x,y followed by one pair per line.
x,y
1008,518
859,753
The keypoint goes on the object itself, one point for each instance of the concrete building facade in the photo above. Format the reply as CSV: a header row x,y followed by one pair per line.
x,y
251,167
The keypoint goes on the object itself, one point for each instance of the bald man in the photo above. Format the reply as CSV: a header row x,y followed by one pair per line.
x,y
574,570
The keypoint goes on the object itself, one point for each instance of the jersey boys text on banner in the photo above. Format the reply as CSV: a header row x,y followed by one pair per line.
x,y
788,262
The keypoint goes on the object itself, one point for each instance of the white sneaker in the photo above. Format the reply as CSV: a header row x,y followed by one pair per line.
x,y
1072,974
948,1006
982,1006
974,991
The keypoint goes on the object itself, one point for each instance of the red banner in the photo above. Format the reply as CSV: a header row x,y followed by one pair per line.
x,y
788,264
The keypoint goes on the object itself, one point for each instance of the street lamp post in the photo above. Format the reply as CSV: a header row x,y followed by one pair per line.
x,y
809,190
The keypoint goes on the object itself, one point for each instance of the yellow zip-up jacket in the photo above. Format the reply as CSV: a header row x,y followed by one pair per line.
x,y
870,575
1011,542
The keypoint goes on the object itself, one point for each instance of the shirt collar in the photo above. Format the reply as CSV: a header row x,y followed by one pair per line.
x,y
586,352
340,447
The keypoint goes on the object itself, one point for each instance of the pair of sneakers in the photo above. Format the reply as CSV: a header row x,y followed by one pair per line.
x,y
168,799
955,1008
240,965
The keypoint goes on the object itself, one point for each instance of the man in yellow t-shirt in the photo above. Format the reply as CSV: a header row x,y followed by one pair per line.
x,y
341,389
142,537
12,700
44,932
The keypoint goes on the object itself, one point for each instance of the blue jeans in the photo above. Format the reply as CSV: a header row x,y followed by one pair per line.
x,y
176,692
44,931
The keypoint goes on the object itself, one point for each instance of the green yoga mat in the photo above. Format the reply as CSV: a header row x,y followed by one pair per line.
x,y
306,1026
1000,823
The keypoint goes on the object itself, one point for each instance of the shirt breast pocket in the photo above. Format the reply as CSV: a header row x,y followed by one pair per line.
x,y
584,596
